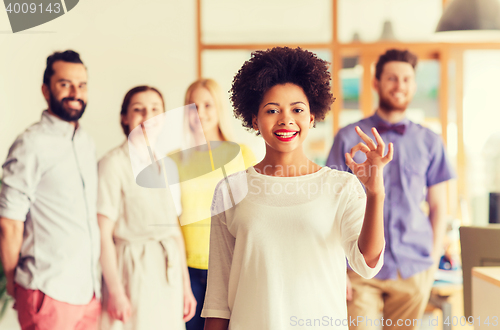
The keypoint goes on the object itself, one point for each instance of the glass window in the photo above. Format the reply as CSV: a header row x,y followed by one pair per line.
x,y
411,20
351,76
481,130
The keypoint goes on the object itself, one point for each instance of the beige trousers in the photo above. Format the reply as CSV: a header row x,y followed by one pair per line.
x,y
401,301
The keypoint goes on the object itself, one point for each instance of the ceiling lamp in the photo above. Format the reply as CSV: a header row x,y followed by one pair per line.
x,y
387,32
470,20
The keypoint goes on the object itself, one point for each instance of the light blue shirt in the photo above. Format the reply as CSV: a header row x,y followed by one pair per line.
x,y
50,183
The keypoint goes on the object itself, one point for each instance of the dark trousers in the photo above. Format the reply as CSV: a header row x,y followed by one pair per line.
x,y
199,286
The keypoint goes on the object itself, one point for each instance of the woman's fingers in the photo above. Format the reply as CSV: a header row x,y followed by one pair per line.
x,y
390,154
190,311
186,307
369,142
349,161
361,147
380,142
126,314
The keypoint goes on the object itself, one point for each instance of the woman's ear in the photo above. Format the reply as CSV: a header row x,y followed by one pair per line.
x,y
254,123
124,119
311,122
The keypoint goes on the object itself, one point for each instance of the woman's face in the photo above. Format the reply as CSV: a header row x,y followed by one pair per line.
x,y
207,112
143,106
284,117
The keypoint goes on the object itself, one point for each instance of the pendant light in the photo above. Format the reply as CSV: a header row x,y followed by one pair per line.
x,y
470,20
387,32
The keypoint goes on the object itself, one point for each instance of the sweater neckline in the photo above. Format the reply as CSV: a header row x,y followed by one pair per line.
x,y
251,170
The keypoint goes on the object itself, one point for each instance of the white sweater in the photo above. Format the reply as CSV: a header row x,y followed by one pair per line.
x,y
277,258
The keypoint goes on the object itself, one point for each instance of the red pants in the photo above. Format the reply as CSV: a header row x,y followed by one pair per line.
x,y
37,311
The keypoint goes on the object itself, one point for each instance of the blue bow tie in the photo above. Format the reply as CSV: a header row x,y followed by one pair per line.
x,y
398,128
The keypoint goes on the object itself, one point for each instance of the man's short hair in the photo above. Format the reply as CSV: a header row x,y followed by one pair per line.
x,y
394,55
66,56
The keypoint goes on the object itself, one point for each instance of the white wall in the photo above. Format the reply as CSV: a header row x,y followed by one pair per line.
x,y
123,43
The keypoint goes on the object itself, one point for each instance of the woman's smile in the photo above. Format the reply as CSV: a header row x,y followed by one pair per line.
x,y
285,135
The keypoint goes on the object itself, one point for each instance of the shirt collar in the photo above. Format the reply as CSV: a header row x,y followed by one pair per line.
x,y
58,125
378,120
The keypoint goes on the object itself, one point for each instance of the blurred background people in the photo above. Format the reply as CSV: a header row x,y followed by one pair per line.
x,y
49,238
146,282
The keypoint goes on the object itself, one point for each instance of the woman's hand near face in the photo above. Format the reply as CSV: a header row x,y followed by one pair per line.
x,y
370,173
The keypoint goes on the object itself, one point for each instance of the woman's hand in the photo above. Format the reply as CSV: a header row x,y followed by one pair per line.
x,y
370,173
348,288
189,304
119,307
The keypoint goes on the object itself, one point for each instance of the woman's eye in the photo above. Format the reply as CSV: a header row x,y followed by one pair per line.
x,y
154,109
207,105
272,111
298,110
137,110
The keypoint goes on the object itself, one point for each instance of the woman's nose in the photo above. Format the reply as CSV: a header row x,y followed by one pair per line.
x,y
285,119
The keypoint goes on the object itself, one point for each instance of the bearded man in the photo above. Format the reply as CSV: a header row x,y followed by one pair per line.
x,y
49,236
417,172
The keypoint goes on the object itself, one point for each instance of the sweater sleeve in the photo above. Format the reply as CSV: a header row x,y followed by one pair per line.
x,y
220,259
352,221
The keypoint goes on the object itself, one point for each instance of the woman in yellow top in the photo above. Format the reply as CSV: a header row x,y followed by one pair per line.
x,y
207,96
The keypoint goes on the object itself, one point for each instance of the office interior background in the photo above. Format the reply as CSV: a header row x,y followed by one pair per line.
x,y
169,44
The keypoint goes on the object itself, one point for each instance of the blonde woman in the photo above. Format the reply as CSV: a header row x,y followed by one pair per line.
x,y
146,282
207,96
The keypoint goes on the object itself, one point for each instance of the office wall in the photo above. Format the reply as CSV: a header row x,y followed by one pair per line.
x,y
123,43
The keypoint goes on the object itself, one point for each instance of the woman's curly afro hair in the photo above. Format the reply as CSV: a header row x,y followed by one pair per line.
x,y
276,66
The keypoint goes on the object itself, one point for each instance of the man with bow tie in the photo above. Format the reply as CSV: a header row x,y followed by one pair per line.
x,y
418,170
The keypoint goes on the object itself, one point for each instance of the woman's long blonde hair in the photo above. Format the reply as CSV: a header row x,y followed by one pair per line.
x,y
214,89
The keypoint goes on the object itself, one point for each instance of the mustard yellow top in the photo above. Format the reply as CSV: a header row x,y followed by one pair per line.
x,y
196,198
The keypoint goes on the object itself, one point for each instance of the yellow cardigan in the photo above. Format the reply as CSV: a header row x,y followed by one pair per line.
x,y
196,204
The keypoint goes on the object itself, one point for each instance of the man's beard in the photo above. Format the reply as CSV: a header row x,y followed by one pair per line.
x,y
57,107
388,106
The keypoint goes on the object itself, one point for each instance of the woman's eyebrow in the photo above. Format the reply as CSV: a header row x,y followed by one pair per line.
x,y
272,103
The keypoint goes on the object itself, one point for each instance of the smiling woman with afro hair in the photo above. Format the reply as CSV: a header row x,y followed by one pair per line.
x,y
281,230
277,66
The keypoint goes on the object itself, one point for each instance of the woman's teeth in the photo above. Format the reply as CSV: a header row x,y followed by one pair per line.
x,y
286,135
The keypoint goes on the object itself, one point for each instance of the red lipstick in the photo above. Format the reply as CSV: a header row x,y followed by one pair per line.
x,y
285,135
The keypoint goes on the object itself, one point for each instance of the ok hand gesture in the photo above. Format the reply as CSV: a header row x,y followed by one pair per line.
x,y
370,173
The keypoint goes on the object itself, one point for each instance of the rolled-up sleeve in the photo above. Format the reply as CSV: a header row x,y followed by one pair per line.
x,y
21,174
109,191
352,221
219,265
